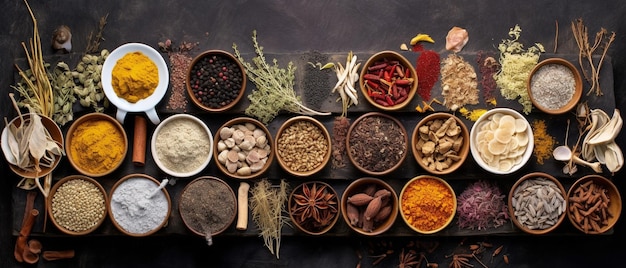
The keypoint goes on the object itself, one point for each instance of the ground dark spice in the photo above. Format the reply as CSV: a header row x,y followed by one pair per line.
x,y
178,98
339,135
377,143
488,66
315,83
207,204
427,68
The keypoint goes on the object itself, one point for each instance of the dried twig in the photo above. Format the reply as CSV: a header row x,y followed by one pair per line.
x,y
586,51
93,41
556,36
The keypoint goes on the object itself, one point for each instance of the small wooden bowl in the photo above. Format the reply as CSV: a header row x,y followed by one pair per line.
x,y
55,133
224,55
230,194
243,121
512,208
281,159
111,209
578,86
614,204
311,230
359,186
388,56
402,205
461,152
161,162
352,156
50,201
86,119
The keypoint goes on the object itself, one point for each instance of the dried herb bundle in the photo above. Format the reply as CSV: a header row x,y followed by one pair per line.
x,y
587,50
274,87
267,205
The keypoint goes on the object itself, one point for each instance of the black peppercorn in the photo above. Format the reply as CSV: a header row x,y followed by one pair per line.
x,y
216,80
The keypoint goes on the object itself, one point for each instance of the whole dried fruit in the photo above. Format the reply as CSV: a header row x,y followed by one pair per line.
x,y
373,208
360,199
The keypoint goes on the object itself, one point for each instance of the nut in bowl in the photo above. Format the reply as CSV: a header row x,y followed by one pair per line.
x,y
138,206
537,203
77,205
243,148
21,160
182,145
216,81
594,204
388,81
96,144
440,143
427,204
555,86
501,141
125,90
302,146
369,206
377,143
314,207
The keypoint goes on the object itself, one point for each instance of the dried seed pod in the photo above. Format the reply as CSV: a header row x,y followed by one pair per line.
x,y
360,199
382,193
370,190
373,208
383,214
353,214
368,225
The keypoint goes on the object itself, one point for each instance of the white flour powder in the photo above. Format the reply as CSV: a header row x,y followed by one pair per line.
x,y
133,211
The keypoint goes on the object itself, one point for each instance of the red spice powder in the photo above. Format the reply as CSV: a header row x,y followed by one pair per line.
x,y
427,68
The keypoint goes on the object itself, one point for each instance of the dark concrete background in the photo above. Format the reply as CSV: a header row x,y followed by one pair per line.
x,y
294,27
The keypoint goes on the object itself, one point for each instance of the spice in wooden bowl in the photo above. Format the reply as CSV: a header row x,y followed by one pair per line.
x,y
594,204
537,203
96,144
555,86
377,143
302,146
427,204
440,143
314,207
388,81
77,205
369,206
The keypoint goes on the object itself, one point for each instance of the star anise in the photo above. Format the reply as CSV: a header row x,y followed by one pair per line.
x,y
315,203
461,261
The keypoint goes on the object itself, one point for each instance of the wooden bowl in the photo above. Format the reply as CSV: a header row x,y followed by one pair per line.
x,y
55,133
87,120
162,157
309,226
303,152
229,194
405,207
479,143
81,195
121,205
359,186
459,150
354,156
388,56
203,100
220,148
614,203
515,218
573,87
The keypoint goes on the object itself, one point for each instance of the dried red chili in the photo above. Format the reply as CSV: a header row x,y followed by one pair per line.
x,y
427,68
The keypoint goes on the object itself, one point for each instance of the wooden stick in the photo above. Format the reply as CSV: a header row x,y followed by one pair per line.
x,y
139,141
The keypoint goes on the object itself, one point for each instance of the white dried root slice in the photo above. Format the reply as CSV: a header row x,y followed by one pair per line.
x,y
439,143
502,140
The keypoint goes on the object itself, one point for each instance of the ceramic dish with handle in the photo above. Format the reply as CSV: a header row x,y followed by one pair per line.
x,y
146,105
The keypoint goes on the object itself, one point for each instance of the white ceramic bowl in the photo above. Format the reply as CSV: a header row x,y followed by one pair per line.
x,y
487,155
181,143
146,105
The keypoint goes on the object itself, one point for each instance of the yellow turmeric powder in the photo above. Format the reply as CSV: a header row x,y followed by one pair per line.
x,y
544,142
135,77
472,115
428,204
97,146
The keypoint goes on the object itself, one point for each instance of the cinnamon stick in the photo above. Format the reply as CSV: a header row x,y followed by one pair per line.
x,y
21,243
139,141
52,255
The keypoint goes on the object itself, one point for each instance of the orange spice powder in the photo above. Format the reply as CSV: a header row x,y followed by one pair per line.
x,y
427,204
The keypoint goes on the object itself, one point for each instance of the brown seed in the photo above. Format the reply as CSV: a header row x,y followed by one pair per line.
x,y
360,199
383,193
368,225
383,214
506,259
353,214
373,208
370,190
